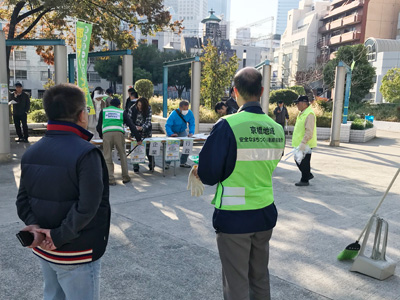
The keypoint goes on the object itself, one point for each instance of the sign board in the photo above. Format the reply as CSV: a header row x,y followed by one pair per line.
x,y
139,154
4,93
187,146
172,149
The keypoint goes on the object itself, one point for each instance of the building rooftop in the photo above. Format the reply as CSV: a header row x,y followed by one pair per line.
x,y
211,18
383,45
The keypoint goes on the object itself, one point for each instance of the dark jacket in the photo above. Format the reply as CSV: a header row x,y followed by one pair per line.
x,y
280,116
23,104
126,121
146,120
214,168
129,103
64,187
230,110
232,103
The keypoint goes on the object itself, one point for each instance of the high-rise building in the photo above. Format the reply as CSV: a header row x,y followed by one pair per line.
x,y
191,12
281,16
298,51
222,7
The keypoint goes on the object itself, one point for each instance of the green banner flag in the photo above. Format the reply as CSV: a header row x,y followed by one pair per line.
x,y
83,34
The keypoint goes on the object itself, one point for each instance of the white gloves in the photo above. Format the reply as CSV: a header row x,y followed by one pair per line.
x,y
194,184
300,152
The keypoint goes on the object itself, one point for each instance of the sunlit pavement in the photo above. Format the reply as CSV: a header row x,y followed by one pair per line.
x,y
162,244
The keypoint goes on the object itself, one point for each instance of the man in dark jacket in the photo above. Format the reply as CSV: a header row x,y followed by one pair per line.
x,y
63,198
231,102
20,112
281,114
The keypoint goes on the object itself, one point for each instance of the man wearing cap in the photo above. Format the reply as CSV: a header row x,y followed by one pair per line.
x,y
111,129
304,133
281,114
20,112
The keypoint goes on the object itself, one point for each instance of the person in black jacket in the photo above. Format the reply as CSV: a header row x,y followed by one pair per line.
x,y
63,198
222,109
141,114
281,114
20,112
231,102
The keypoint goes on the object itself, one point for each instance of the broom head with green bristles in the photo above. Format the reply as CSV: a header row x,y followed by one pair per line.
x,y
350,252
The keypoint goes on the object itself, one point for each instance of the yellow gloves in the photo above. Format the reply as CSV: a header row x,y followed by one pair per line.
x,y
194,184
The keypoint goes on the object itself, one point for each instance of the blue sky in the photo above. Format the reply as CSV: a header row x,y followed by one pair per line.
x,y
247,11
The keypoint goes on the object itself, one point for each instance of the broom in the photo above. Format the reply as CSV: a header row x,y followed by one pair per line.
x,y
351,250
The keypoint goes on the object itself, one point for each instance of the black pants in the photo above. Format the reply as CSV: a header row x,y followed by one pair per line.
x,y
18,119
305,168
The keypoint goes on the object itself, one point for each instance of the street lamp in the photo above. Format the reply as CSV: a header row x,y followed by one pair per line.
x,y
244,58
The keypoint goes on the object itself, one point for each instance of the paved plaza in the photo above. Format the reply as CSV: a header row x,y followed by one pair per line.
x,y
162,244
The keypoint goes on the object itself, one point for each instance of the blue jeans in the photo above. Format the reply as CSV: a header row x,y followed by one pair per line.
x,y
184,157
75,282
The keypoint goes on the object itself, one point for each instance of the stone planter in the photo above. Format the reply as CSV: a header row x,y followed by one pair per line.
x,y
362,136
324,133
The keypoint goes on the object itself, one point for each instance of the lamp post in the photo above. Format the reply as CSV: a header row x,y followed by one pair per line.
x,y
244,58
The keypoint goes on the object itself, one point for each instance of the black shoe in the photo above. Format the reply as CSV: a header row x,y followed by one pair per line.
x,y
151,167
127,180
136,170
25,140
311,176
19,140
301,183
185,166
166,166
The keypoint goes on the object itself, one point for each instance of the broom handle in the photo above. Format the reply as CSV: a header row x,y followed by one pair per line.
x,y
380,202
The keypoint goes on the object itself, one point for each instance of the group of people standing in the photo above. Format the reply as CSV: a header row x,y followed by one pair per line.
x,y
240,144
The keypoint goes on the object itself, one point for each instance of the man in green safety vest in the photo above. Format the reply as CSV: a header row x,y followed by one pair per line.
x,y
305,134
111,129
240,156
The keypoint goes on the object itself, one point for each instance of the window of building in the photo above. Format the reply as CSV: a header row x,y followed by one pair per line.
x,y
20,55
154,43
93,77
44,75
19,74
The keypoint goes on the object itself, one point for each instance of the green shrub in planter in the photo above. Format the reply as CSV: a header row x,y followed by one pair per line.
x,y
360,124
144,88
38,116
324,121
36,104
298,89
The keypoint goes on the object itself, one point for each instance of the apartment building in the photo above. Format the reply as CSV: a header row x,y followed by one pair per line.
x,y
299,51
351,22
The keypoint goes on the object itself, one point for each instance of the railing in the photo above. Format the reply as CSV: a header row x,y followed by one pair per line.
x,y
351,36
337,39
345,8
336,23
352,19
325,28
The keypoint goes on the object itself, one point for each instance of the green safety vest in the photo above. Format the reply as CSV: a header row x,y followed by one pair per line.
x,y
113,119
300,129
260,142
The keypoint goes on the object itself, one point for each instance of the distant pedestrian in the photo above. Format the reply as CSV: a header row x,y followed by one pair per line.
x,y
20,112
63,198
133,97
305,134
231,102
222,109
281,114
110,94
